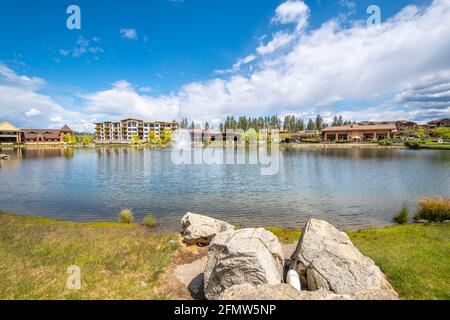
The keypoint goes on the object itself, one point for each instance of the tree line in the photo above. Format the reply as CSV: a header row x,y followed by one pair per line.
x,y
290,123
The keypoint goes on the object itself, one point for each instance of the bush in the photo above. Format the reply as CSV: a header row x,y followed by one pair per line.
x,y
413,144
344,141
311,141
126,216
150,221
385,143
402,216
434,210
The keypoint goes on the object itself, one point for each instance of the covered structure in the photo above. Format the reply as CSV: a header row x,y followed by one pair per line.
x,y
358,132
9,133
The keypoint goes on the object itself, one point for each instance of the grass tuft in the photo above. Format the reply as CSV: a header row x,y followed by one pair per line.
x,y
402,216
126,216
150,221
434,210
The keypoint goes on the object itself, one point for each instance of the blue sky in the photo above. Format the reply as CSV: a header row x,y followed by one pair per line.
x,y
205,59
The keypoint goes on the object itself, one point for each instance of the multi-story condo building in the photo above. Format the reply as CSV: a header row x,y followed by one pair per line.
x,y
125,130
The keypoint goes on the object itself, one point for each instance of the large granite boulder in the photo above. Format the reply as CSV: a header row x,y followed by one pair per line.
x,y
277,292
326,259
199,229
247,256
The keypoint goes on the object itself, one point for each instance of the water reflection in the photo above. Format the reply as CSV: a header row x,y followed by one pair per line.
x,y
350,187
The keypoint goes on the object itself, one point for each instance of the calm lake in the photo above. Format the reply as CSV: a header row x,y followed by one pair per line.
x,y
351,188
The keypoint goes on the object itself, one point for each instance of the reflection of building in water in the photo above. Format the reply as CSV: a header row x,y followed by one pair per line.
x,y
40,153
124,130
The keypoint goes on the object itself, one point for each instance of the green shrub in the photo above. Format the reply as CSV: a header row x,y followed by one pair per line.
x,y
126,216
150,221
344,141
434,210
311,140
413,144
385,143
402,216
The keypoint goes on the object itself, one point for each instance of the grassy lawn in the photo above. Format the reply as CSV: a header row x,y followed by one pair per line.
x,y
415,258
438,146
117,261
120,261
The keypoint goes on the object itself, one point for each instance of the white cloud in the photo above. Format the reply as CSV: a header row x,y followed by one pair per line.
x,y
32,112
130,34
279,40
292,11
82,47
122,101
8,76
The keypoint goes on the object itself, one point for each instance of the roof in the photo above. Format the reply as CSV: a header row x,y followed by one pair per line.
x,y
6,126
439,120
358,127
132,119
46,133
66,129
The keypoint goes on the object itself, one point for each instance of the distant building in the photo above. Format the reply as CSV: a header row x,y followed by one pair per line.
x,y
360,132
36,136
444,122
124,130
9,133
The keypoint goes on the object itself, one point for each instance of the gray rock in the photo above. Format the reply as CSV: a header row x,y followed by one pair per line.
x,y
199,229
277,292
328,260
247,256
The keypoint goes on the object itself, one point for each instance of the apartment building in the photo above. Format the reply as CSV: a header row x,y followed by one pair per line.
x,y
124,130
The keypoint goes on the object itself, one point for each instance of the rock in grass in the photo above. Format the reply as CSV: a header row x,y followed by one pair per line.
x,y
328,260
247,256
199,229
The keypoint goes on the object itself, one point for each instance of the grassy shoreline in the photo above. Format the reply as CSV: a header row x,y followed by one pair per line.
x,y
126,261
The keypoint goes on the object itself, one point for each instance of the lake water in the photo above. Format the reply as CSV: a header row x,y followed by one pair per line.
x,y
351,188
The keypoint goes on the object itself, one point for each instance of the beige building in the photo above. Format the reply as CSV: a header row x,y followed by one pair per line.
x,y
9,133
124,130
359,132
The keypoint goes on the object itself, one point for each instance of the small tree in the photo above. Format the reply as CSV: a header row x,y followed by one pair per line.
x,y
152,137
250,135
67,138
443,133
135,138
166,135
87,139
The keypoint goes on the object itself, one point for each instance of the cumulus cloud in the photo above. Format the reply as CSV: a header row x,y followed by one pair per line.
x,y
292,11
333,64
22,104
122,100
130,34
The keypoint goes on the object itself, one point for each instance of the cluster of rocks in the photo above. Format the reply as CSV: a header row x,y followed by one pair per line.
x,y
248,264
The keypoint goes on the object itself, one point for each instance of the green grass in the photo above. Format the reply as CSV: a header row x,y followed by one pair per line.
x,y
117,261
415,258
286,236
437,146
